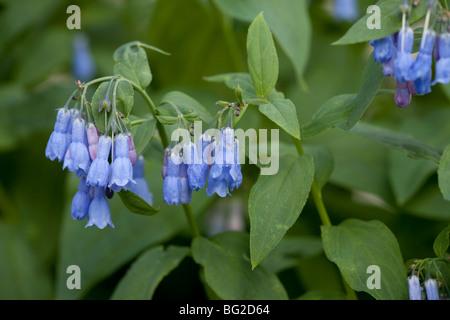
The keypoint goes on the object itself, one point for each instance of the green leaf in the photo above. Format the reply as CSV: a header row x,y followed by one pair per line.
x,y
168,120
284,114
144,275
444,173
290,251
131,63
23,276
99,117
332,113
288,20
355,245
391,22
429,204
262,57
136,204
322,295
369,83
275,203
142,132
413,147
442,242
125,97
186,104
323,163
228,272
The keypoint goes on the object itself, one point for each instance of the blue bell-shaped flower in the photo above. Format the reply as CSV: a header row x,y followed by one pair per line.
x,y
57,144
77,156
141,187
99,172
99,211
122,169
81,201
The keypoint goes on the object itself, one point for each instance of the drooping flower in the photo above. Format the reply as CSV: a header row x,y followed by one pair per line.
x,y
345,10
99,211
99,172
421,69
225,173
81,201
383,49
141,187
57,144
83,66
414,288
131,150
402,95
443,64
404,60
185,191
73,115
122,170
92,138
77,156
198,167
431,289
172,183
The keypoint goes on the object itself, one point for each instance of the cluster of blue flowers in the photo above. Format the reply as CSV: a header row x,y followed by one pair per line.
x,y
187,169
415,290
86,152
413,77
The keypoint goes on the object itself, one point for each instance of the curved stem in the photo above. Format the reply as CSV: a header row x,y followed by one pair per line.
x,y
323,214
191,220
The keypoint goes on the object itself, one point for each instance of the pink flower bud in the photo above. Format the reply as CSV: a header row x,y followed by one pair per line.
x,y
92,137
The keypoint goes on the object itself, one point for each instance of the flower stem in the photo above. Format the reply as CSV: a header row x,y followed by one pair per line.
x,y
165,142
322,211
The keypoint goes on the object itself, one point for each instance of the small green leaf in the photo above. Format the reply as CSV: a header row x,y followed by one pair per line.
x,y
391,22
262,57
284,114
442,242
332,113
142,132
275,203
355,245
323,163
144,275
228,272
186,104
369,83
136,204
444,173
413,147
125,97
167,120
131,63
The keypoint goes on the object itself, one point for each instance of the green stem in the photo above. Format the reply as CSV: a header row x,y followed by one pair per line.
x,y
321,209
165,142
191,220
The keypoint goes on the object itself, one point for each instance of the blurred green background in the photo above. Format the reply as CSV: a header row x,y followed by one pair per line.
x,y
38,238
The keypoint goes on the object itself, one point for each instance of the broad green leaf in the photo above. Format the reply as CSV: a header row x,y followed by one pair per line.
x,y
355,245
22,276
184,103
322,295
370,81
142,132
442,242
391,22
262,57
275,203
136,204
290,251
99,117
407,175
333,112
144,275
131,63
444,173
284,114
288,20
228,271
412,147
323,163
125,97
429,204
